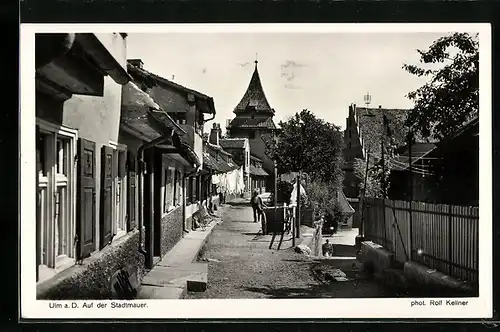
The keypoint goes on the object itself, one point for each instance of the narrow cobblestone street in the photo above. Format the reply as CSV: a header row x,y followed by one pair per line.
x,y
241,265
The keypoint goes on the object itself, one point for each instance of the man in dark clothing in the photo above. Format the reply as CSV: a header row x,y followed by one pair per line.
x,y
257,206
258,210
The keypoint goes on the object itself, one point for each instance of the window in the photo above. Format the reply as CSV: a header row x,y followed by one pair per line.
x,y
189,188
55,154
119,191
178,188
169,189
196,187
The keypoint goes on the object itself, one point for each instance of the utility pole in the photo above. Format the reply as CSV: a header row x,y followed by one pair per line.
x,y
410,142
297,223
364,193
384,193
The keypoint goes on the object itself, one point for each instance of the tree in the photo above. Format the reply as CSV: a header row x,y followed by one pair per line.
x,y
308,144
451,96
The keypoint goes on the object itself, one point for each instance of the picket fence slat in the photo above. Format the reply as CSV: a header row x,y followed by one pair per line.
x,y
443,237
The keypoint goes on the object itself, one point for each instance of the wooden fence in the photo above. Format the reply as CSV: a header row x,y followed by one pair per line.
x,y
443,237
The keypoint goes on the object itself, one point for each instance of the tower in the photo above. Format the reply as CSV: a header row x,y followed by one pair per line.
x,y
254,120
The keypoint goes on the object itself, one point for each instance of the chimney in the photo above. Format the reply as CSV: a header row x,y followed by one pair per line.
x,y
136,63
219,131
214,134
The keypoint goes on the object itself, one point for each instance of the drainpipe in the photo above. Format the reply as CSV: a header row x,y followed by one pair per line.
x,y
142,167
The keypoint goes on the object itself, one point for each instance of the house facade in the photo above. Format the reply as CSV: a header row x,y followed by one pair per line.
x,y
254,120
174,191
258,176
446,172
86,235
118,178
223,176
365,131
240,151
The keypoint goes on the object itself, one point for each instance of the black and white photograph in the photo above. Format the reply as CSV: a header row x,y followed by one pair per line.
x,y
337,168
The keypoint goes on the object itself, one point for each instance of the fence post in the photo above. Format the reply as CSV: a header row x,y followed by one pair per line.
x,y
385,229
410,232
450,237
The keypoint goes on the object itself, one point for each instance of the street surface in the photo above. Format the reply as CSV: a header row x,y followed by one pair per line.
x,y
241,265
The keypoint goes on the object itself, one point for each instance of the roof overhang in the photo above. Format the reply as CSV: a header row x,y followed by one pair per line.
x,y
103,57
69,64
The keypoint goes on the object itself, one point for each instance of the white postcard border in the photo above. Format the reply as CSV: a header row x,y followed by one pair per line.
x,y
480,307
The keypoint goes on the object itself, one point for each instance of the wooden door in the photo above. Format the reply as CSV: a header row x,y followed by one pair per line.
x,y
85,203
106,208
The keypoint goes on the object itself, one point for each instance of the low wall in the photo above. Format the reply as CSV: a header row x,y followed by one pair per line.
x,y
92,279
417,275
171,230
375,258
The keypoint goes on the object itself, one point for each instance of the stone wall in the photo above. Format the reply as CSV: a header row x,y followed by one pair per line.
x,y
171,230
92,279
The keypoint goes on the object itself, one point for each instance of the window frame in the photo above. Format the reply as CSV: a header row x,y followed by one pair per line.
x,y
51,181
119,227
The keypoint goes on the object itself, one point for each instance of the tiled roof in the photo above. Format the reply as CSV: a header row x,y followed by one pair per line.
x,y
252,157
257,171
151,80
232,143
217,165
244,122
254,97
217,148
371,125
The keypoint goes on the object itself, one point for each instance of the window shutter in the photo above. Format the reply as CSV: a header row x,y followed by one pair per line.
x,y
106,207
131,191
86,204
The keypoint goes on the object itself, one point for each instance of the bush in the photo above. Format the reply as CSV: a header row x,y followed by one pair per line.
x,y
284,192
322,198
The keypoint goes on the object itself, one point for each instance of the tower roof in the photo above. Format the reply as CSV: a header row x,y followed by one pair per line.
x,y
254,97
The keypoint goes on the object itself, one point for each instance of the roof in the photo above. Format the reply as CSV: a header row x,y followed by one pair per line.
x,y
150,79
254,97
257,171
343,203
216,148
218,165
418,151
371,125
252,157
232,143
244,122
137,105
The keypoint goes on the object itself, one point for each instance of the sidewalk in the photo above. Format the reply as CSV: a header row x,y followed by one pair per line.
x,y
177,272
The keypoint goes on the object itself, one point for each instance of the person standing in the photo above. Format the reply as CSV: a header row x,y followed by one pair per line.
x,y
258,210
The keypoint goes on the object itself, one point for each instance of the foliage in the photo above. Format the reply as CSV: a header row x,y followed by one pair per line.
x,y
377,180
284,189
321,197
308,144
451,96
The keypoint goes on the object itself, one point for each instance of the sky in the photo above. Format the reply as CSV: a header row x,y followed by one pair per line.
x,y
323,72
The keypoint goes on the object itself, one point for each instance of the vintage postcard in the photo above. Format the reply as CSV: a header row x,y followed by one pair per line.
x,y
256,171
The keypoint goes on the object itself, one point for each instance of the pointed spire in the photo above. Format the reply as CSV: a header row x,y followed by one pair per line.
x,y
254,97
